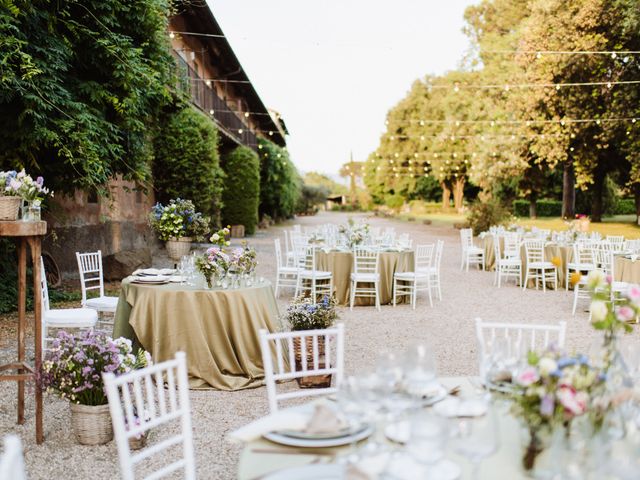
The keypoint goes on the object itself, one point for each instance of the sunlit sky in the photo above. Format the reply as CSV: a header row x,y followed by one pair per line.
x,y
334,68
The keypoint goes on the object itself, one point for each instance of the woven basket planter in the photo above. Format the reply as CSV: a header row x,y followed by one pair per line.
x,y
91,424
178,247
9,207
314,381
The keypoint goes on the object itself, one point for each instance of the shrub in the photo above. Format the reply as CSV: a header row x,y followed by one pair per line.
x,y
242,189
624,206
310,196
279,181
186,161
394,201
483,215
545,208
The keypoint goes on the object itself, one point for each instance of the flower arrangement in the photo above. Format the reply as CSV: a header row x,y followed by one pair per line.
x,y
20,184
247,259
609,314
219,238
302,314
551,392
178,219
73,367
355,233
214,262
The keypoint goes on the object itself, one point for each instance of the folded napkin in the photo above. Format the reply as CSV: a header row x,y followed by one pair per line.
x,y
288,419
456,407
323,420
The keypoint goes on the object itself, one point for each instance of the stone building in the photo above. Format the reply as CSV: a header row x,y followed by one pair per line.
x,y
220,88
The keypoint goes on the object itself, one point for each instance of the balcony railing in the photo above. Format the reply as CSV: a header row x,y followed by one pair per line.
x,y
207,100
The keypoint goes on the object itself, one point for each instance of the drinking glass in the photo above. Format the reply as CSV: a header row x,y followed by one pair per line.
x,y
419,369
477,438
428,438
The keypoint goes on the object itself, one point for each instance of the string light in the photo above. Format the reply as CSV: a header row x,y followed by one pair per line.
x,y
557,86
173,33
563,121
540,53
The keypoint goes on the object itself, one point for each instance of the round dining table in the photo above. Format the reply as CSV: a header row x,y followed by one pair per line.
x,y
340,264
217,328
262,457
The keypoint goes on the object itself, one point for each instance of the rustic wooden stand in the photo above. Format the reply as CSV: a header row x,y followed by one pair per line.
x,y
26,234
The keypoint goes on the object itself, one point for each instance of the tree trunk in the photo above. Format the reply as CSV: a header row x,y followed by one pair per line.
x,y
446,196
458,194
533,207
596,204
636,195
568,190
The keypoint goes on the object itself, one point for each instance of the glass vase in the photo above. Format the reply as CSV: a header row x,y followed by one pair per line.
x,y
31,211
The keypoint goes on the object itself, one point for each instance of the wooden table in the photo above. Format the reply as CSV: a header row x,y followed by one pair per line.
x,y
26,234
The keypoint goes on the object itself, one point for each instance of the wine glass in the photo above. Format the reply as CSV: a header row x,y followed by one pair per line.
x,y
427,438
477,438
420,369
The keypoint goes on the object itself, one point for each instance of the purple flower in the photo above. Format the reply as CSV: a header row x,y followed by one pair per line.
x,y
547,405
40,181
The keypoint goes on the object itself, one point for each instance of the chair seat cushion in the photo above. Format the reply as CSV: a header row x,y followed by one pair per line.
x,y
291,270
411,275
544,265
365,277
474,251
71,317
104,304
315,273
581,266
510,262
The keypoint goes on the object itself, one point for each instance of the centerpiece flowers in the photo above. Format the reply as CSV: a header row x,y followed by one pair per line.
x,y
303,314
73,369
178,223
354,233
216,263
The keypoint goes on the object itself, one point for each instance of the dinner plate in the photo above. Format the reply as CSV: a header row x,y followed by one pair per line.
x,y
361,434
349,430
309,472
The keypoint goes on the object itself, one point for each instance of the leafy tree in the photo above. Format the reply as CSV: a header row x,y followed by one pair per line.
x,y
352,170
242,188
310,197
316,179
81,85
279,181
187,163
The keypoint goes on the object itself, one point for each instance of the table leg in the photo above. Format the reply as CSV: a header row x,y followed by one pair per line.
x,y
34,243
22,306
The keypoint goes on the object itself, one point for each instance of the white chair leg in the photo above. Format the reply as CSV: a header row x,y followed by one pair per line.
x,y
352,295
439,289
576,290
377,296
414,295
395,288
277,285
429,290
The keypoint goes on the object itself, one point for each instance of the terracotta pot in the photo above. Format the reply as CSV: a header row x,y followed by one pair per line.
x,y
178,247
91,424
314,381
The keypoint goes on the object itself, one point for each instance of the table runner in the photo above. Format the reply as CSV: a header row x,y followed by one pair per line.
x,y
218,329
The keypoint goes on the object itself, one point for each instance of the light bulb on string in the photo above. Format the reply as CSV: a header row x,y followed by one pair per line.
x,y
422,123
207,83
172,35
538,55
211,112
609,85
240,132
246,114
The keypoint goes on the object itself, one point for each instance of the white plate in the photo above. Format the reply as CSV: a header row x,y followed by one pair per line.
x,y
309,472
151,279
347,430
178,278
365,432
398,432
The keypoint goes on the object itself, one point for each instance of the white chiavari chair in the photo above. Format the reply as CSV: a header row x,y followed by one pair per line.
x,y
434,270
605,259
12,460
310,279
583,260
138,402
313,360
507,263
410,283
62,318
543,271
366,270
616,241
520,337
286,277
470,253
91,278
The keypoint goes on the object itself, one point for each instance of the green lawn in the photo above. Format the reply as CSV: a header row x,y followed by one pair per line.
x,y
616,225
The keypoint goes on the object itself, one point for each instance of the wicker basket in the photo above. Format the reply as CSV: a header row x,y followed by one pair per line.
x,y
91,424
9,207
178,247
314,381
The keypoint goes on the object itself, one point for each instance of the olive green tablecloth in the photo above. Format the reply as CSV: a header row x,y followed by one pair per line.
x,y
340,264
218,329
563,254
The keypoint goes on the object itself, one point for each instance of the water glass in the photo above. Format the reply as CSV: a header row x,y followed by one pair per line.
x,y
428,438
477,438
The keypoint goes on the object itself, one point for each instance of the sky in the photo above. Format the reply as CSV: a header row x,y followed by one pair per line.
x,y
334,68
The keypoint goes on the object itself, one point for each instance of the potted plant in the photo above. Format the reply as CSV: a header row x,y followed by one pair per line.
x,y
19,187
178,224
73,370
303,314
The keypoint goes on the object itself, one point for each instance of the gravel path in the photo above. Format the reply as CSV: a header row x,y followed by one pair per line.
x,y
448,326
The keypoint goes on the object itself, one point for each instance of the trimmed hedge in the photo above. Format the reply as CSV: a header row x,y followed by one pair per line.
x,y
545,208
242,189
279,181
187,163
625,206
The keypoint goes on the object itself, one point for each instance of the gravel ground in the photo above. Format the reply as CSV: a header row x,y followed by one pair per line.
x,y
448,326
